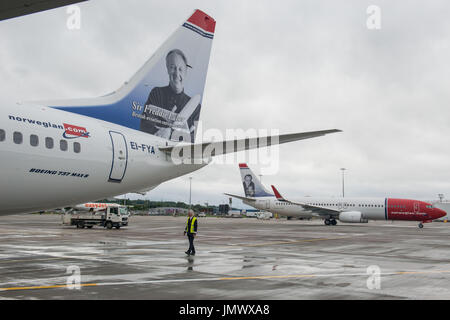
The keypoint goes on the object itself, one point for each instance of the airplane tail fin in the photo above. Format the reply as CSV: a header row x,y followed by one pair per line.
x,y
164,97
252,185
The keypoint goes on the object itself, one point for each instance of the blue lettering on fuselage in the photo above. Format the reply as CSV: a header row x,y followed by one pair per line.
x,y
143,147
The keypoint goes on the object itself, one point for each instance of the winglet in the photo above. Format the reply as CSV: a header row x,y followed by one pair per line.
x,y
277,194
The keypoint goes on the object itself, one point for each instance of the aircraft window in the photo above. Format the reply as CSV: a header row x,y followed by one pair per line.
x,y
76,147
2,135
17,137
49,143
34,140
63,145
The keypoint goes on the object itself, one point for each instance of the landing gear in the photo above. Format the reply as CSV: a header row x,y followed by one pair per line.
x,y
332,222
421,225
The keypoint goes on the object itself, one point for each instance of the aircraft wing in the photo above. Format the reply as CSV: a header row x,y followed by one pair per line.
x,y
16,8
240,197
210,149
318,210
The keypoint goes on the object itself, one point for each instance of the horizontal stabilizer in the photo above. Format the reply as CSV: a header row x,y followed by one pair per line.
x,y
240,197
209,149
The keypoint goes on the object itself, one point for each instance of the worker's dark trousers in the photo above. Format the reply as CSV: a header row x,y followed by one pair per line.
x,y
191,243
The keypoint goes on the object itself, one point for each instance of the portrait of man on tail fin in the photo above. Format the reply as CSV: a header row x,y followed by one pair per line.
x,y
169,112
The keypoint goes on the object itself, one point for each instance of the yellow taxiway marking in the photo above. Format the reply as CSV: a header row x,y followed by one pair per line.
x,y
293,276
48,287
288,242
331,275
32,260
271,277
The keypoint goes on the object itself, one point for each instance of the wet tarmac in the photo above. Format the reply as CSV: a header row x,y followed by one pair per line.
x,y
236,259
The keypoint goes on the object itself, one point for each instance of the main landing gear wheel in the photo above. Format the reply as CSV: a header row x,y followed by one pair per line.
x,y
327,222
421,225
333,222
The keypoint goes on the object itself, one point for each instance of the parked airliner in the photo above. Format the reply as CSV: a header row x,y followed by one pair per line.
x,y
61,153
351,210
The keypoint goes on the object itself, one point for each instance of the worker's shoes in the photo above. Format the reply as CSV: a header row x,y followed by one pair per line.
x,y
192,253
188,253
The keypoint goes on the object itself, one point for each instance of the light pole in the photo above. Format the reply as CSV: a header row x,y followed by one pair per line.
x,y
190,192
343,189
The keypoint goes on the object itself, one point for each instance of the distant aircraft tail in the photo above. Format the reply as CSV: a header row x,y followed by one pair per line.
x,y
164,97
252,185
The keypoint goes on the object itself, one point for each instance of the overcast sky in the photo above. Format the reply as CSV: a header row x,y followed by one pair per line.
x,y
291,65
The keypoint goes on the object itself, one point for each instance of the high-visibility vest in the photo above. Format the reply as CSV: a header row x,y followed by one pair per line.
x,y
192,225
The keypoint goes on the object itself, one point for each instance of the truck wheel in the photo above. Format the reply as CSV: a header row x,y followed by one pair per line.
x,y
117,227
80,225
109,225
89,227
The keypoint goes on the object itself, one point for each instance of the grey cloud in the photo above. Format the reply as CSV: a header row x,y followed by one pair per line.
x,y
295,66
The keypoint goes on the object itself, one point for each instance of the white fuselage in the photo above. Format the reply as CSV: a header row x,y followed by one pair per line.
x,y
112,159
371,208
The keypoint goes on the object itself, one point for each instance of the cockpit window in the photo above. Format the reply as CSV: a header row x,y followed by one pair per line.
x,y
2,135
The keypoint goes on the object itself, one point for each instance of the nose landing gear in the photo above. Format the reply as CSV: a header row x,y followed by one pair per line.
x,y
421,225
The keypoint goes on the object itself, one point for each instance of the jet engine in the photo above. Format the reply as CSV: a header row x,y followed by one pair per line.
x,y
352,217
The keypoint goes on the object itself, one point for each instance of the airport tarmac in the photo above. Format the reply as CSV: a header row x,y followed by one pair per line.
x,y
236,259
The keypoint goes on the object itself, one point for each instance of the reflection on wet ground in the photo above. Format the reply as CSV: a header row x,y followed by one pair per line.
x,y
236,259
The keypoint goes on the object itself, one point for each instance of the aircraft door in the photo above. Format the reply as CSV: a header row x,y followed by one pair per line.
x,y
267,204
119,157
416,207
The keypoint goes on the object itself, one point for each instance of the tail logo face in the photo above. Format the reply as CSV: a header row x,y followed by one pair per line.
x,y
249,186
164,97
252,185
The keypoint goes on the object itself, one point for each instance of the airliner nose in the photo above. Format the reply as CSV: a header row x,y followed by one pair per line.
x,y
438,213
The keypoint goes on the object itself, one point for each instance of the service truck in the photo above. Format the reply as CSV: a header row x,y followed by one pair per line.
x,y
87,215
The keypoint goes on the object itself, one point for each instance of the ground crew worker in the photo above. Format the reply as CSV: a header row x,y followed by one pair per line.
x,y
191,231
